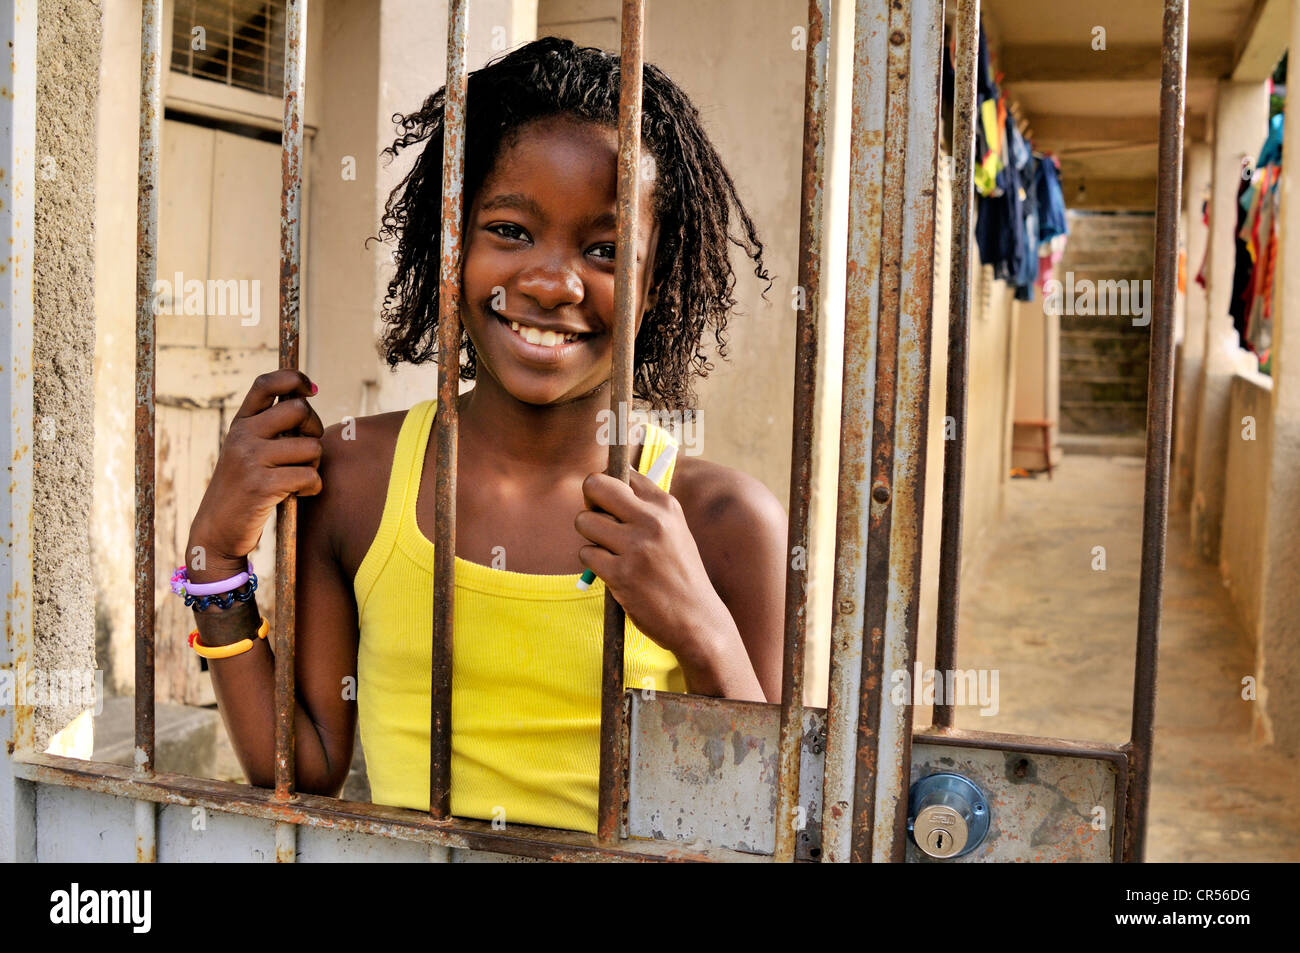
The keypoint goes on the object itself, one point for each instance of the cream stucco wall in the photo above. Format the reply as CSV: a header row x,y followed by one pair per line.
x,y
1241,122
1245,504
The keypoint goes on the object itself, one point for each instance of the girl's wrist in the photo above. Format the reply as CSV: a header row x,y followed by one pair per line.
x,y
713,639
227,626
206,563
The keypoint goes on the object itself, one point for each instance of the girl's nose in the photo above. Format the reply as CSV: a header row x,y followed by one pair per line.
x,y
551,285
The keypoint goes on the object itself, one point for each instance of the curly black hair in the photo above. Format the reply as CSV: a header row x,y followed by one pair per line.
x,y
692,199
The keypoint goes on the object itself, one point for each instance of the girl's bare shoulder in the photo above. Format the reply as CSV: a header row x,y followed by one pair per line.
x,y
362,446
738,523
356,462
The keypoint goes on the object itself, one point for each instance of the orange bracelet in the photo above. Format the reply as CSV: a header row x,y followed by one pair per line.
x,y
227,651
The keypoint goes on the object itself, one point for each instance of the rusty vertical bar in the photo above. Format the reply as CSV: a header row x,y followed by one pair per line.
x,y
807,346
612,755
861,304
897,466
286,521
146,267
446,417
954,450
1160,389
146,264
881,460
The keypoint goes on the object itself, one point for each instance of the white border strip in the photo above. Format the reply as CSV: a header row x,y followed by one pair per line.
x,y
17,187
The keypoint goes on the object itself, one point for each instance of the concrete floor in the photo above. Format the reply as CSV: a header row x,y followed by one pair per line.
x,y
1062,636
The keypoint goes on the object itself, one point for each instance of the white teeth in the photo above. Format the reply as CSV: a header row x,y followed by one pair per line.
x,y
540,337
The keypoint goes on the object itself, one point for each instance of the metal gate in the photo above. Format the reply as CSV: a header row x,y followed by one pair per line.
x,y
856,782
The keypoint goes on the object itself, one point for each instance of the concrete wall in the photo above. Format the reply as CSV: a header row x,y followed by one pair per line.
x,y
1245,500
340,270
1191,349
1241,123
1037,392
68,43
991,402
1277,717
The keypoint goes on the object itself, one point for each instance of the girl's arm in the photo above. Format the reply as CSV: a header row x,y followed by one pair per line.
x,y
700,571
740,528
258,467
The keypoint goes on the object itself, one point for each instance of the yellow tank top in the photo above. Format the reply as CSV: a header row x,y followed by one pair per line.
x,y
525,708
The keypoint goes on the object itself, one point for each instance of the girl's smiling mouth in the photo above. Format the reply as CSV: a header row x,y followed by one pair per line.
x,y
536,344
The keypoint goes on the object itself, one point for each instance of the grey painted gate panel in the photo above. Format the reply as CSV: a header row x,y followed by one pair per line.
x,y
1044,807
81,827
703,771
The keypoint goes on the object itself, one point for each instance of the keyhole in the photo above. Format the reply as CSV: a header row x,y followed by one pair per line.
x,y
938,840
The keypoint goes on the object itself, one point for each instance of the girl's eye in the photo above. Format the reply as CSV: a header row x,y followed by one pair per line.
x,y
604,250
508,230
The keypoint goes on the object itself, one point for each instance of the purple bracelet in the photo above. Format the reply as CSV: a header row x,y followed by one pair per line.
x,y
182,586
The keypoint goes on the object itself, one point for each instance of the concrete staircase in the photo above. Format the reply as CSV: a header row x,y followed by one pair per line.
x,y
1104,357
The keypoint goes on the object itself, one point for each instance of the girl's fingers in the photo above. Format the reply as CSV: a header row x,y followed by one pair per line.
x,y
312,426
645,488
292,414
267,387
603,530
294,451
600,561
304,481
603,492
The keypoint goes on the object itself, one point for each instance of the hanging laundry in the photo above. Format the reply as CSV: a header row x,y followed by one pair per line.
x,y
1020,224
1257,240
988,136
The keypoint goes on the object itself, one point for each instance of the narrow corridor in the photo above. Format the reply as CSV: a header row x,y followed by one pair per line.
x,y
1061,635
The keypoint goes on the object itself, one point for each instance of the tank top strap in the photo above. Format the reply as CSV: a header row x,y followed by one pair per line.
x,y
408,461
657,440
399,502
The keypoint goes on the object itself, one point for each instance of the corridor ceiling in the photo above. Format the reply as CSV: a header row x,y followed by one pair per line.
x,y
1098,109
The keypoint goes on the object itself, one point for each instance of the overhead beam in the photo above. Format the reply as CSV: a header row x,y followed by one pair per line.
x,y
1109,194
1099,129
1262,41
1079,62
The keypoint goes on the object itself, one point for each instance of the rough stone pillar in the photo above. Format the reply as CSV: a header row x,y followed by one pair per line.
x,y
1277,712
67,84
1240,125
1196,185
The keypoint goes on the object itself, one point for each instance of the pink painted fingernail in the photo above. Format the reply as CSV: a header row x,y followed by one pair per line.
x,y
314,389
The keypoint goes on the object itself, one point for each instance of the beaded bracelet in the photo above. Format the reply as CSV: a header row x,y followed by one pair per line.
x,y
223,593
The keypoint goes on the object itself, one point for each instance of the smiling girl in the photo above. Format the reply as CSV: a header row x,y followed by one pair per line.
x,y
696,559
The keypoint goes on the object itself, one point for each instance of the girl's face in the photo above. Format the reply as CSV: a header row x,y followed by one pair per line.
x,y
538,291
